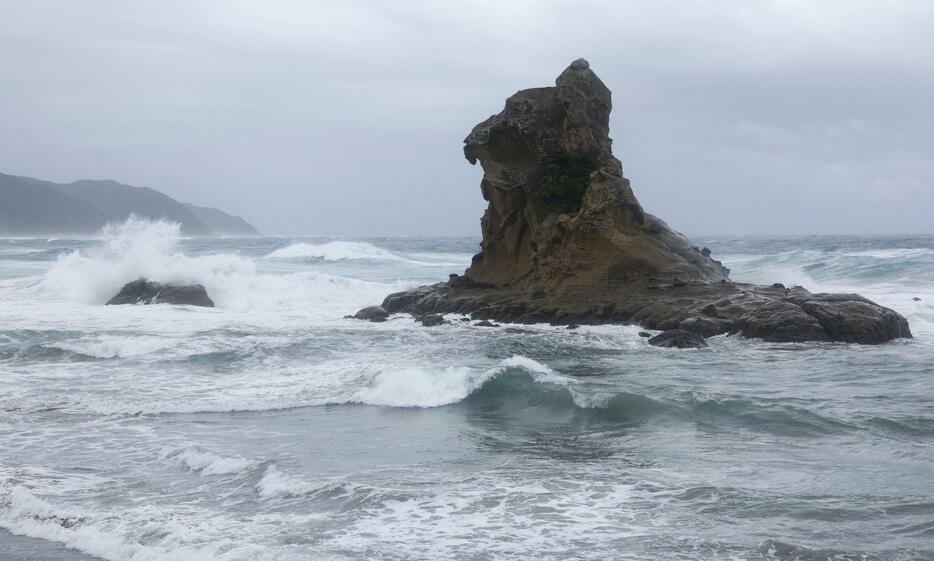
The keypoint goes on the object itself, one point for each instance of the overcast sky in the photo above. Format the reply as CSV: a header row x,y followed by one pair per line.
x,y
347,118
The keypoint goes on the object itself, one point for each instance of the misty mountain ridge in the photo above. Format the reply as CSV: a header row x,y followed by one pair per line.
x,y
35,206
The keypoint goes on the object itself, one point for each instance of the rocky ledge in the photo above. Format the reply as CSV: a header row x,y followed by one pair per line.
x,y
566,241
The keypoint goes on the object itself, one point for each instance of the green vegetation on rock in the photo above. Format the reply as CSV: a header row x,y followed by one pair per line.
x,y
565,180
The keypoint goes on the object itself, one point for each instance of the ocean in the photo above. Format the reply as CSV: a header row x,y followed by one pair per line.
x,y
271,428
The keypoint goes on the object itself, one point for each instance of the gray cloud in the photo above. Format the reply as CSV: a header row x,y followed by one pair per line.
x,y
347,117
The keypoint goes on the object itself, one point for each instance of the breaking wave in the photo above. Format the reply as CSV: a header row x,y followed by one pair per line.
x,y
208,463
140,248
419,387
364,251
334,251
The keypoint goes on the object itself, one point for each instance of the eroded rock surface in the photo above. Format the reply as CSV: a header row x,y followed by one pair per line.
x,y
143,291
566,241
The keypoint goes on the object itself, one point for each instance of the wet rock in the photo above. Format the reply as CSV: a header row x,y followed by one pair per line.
x,y
143,291
645,334
678,338
779,321
372,313
486,323
430,320
853,319
705,326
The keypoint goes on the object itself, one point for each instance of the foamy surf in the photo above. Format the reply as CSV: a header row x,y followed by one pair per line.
x,y
363,251
274,483
139,248
208,463
270,428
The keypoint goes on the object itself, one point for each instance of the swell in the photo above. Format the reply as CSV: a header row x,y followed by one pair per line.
x,y
518,394
912,266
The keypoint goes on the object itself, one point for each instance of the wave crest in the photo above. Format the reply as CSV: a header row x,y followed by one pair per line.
x,y
435,387
363,251
334,251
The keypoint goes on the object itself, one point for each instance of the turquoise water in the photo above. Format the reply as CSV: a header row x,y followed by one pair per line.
x,y
271,428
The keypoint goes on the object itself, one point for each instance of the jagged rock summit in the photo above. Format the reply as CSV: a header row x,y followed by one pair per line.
x,y
566,241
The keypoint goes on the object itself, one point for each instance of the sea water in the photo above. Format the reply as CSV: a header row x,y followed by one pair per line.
x,y
271,428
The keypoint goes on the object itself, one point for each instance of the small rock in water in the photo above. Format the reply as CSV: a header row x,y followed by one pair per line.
x,y
916,299
680,339
645,334
430,320
143,291
372,313
485,323
573,326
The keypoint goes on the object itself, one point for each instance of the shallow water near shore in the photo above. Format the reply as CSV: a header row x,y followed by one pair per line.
x,y
270,428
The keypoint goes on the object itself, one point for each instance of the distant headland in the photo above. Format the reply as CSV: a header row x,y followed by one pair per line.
x,y
33,206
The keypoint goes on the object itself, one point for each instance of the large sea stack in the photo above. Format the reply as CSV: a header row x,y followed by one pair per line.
x,y
566,241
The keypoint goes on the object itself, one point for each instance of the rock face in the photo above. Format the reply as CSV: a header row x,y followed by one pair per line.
x,y
566,241
143,291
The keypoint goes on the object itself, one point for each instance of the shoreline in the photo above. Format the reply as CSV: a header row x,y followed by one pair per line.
x,y
23,548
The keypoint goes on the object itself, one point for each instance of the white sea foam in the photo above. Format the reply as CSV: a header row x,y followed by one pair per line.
x,y
895,253
461,518
113,346
139,248
274,483
148,532
355,250
417,387
208,463
334,251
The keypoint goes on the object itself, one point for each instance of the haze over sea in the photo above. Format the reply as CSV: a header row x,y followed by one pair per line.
x,y
270,428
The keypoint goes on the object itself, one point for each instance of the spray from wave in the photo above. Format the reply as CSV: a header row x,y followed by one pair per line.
x,y
141,248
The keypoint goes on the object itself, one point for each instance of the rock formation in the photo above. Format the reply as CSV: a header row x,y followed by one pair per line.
x,y
143,291
372,313
566,241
